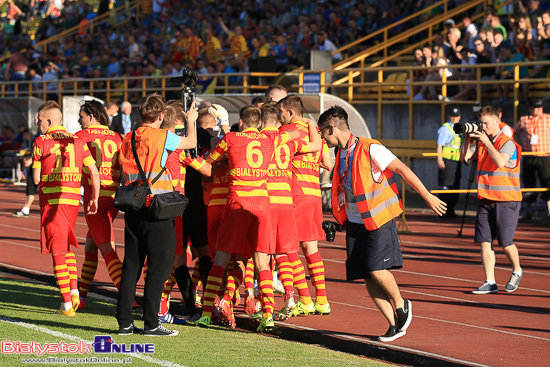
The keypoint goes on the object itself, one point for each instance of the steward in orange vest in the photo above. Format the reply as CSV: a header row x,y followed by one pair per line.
x,y
494,183
145,237
378,202
364,196
498,179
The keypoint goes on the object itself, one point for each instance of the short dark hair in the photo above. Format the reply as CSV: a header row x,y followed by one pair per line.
x,y
250,115
97,110
258,99
336,115
293,102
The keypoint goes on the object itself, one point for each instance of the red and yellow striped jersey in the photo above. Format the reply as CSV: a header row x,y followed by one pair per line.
x,y
176,167
219,186
279,182
104,145
249,153
60,156
193,45
305,166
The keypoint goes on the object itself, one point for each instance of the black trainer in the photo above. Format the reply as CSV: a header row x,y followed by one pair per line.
x,y
404,316
391,334
132,329
160,331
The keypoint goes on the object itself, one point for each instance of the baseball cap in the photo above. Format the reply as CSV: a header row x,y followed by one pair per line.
x,y
536,103
455,111
450,21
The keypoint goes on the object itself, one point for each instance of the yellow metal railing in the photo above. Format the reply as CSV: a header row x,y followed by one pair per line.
x,y
383,32
380,91
383,46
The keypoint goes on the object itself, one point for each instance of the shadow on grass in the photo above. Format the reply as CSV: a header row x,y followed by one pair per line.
x,y
26,298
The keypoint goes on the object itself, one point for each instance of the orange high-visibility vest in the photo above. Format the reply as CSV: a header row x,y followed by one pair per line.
x,y
150,144
378,202
498,184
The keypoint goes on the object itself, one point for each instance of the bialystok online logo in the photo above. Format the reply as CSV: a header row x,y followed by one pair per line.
x,y
101,344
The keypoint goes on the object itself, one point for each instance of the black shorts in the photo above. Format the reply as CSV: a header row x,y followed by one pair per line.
x,y
195,227
31,187
370,251
497,219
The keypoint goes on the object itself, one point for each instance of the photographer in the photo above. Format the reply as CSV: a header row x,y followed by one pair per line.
x,y
364,196
498,179
144,236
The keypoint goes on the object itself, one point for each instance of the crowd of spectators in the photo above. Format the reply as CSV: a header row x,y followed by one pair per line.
x,y
219,36
515,33
222,36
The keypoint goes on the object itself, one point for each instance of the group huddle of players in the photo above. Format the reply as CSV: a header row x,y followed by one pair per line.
x,y
260,202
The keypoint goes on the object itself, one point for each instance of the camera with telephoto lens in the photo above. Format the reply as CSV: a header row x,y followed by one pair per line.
x,y
189,80
467,127
330,229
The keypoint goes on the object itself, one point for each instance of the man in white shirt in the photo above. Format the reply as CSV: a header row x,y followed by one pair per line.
x,y
364,197
324,44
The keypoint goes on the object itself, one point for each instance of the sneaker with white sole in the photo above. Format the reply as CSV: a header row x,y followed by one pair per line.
x,y
404,316
513,283
20,214
160,331
391,334
486,288
129,330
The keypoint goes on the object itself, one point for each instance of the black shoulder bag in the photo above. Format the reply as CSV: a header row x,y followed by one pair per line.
x,y
132,197
164,206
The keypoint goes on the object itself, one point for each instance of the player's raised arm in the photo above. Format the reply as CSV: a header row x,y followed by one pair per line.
x,y
315,144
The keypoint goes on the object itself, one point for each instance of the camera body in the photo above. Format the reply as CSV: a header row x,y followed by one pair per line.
x,y
467,127
330,229
189,78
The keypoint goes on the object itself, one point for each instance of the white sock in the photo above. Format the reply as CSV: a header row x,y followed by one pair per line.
x,y
66,306
25,210
520,272
75,291
491,282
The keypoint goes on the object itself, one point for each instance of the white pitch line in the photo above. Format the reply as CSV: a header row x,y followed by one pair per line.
x,y
59,334
393,346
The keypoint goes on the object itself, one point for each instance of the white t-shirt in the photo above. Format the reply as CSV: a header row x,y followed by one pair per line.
x,y
381,157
